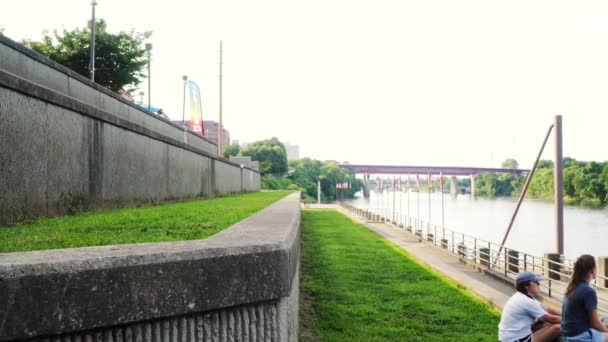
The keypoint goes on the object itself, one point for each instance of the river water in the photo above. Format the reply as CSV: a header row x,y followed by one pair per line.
x,y
585,229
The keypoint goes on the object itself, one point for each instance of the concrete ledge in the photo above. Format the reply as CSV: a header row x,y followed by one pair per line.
x,y
61,291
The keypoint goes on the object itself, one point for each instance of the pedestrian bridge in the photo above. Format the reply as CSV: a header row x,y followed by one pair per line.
x,y
452,171
433,170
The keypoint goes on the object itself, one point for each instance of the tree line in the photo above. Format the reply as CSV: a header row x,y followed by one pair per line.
x,y
585,182
297,174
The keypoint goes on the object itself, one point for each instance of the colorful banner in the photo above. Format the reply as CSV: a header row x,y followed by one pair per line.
x,y
196,111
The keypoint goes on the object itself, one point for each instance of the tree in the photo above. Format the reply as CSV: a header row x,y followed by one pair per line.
x,y
570,172
541,185
544,164
119,58
231,150
510,164
307,172
569,161
270,153
604,176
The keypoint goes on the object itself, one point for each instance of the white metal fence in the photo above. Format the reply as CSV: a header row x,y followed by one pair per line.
x,y
499,260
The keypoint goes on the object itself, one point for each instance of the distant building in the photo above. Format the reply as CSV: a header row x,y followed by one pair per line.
x,y
210,131
293,151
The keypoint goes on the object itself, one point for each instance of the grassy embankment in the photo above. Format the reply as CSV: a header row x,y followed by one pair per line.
x,y
356,286
192,220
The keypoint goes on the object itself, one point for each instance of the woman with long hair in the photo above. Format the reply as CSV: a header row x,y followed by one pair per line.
x,y
522,311
580,319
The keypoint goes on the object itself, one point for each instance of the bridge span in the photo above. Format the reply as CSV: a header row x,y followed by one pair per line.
x,y
452,171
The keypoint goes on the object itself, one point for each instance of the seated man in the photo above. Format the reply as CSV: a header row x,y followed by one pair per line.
x,y
522,310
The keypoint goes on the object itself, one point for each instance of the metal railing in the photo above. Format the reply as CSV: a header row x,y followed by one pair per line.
x,y
499,260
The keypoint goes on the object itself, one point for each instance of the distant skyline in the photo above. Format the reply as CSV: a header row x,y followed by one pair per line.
x,y
467,83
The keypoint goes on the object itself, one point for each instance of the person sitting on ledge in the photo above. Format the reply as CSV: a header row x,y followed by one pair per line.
x,y
523,313
580,320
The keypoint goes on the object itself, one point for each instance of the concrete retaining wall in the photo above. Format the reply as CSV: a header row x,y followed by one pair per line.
x,y
251,180
69,144
225,176
239,285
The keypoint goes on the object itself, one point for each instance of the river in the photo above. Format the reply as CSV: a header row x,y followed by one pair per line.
x,y
585,229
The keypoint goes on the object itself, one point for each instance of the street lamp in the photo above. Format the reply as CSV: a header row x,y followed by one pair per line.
x,y
185,78
149,49
92,54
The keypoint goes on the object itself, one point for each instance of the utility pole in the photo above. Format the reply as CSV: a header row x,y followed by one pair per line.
x,y
149,49
185,78
220,125
559,185
442,208
92,55
409,218
430,185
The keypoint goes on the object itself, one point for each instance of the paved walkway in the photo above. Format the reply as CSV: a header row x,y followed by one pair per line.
x,y
494,291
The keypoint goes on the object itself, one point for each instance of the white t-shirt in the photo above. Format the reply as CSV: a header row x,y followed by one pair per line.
x,y
519,313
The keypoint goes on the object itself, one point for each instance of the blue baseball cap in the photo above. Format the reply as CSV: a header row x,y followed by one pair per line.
x,y
527,276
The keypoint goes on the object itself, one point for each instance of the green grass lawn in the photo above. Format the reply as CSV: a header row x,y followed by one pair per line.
x,y
170,222
356,286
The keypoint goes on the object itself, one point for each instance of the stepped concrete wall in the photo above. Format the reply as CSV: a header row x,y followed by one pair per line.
x,y
238,285
67,144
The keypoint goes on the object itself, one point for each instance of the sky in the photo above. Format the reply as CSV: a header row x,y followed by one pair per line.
x,y
396,82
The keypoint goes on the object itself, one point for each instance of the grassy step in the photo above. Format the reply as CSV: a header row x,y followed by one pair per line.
x,y
356,286
192,220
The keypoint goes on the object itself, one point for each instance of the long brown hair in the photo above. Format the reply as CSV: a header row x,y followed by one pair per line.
x,y
582,266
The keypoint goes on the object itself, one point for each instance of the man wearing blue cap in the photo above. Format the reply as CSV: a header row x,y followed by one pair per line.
x,y
522,310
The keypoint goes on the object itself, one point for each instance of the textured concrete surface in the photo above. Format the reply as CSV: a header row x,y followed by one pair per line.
x,y
77,144
251,180
23,62
253,264
225,176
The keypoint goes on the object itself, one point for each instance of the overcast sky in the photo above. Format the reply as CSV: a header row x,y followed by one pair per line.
x,y
437,82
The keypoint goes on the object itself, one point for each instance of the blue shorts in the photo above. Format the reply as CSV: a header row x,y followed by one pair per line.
x,y
590,335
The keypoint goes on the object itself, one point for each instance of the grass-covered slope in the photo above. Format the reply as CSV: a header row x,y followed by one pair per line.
x,y
356,286
169,222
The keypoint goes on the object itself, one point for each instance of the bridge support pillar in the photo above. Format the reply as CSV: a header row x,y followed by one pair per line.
x,y
472,185
453,185
366,185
